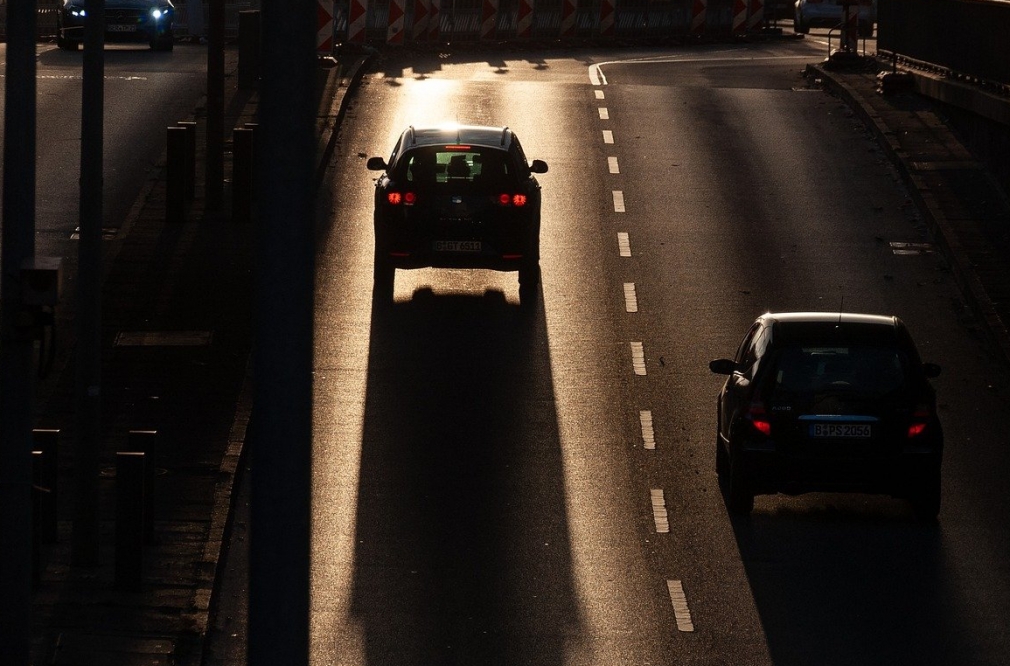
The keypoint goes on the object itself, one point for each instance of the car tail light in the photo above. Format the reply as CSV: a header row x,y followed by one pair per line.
x,y
405,198
920,421
517,200
759,418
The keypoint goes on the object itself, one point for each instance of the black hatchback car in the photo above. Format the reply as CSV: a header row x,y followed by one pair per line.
x,y
457,197
146,21
828,402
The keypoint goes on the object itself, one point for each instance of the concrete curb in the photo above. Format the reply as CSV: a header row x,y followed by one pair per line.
x,y
943,231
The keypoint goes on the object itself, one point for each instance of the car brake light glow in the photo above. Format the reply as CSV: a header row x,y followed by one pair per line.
x,y
920,419
457,147
504,199
759,419
517,200
397,198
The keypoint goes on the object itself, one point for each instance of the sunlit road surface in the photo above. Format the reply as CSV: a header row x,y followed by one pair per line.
x,y
496,488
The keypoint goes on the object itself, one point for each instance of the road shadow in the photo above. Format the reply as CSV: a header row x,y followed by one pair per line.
x,y
852,581
462,551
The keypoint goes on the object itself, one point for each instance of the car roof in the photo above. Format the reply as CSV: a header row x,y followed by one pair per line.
x,y
825,327
479,135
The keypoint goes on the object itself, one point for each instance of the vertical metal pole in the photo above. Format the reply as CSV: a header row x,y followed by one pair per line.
x,y
190,127
48,442
242,173
215,108
18,244
282,439
130,467
85,540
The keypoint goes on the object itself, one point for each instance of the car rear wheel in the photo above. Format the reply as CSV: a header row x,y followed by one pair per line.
x,y
721,458
65,44
799,27
383,279
739,496
925,498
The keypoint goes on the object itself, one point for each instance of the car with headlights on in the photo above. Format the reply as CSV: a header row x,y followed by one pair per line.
x,y
828,402
830,14
457,196
143,21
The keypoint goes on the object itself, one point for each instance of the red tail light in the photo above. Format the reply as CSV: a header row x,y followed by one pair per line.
x,y
759,419
506,199
920,420
405,198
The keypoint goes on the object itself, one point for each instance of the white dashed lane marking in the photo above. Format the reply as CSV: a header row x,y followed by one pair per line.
x,y
638,358
623,244
612,165
680,609
604,114
648,434
659,514
618,201
608,136
630,297
599,94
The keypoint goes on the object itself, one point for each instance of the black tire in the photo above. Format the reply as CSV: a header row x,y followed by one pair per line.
x,y
925,499
721,458
799,27
66,44
383,280
739,496
529,285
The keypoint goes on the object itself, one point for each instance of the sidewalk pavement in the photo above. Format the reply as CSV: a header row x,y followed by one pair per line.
x,y
966,211
176,344
177,312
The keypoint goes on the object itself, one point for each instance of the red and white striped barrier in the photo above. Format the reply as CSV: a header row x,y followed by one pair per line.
x,y
419,31
524,19
488,19
607,12
757,14
356,17
435,21
698,11
394,29
739,16
324,35
568,18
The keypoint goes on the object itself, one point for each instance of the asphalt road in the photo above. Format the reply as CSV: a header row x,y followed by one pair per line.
x,y
498,489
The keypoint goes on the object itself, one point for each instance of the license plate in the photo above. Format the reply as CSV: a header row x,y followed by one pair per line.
x,y
457,246
840,430
118,27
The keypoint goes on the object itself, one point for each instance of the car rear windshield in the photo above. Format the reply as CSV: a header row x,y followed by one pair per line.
x,y
457,167
868,371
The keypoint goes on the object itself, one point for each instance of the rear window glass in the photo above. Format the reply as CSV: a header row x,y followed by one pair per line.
x,y
457,166
863,370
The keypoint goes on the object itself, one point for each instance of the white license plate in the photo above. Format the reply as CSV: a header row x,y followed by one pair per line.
x,y
457,246
840,430
118,27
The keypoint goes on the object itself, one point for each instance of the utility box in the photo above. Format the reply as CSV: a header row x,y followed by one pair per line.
x,y
42,281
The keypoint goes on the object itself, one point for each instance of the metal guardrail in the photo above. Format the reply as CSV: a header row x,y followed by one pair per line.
x,y
979,47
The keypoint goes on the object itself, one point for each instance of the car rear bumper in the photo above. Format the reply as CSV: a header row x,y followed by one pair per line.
x,y
899,475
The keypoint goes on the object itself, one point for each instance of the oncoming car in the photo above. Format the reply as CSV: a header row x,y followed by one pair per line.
x,y
830,14
457,197
828,402
144,21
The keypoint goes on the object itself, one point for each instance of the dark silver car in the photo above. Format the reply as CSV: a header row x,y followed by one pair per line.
x,y
143,21
828,402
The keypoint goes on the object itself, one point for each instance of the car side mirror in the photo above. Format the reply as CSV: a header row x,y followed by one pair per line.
x,y
376,164
722,366
931,370
538,166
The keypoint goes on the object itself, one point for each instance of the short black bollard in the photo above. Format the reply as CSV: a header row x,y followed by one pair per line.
x,y
47,442
175,197
190,127
38,491
146,442
249,40
242,166
129,520
254,127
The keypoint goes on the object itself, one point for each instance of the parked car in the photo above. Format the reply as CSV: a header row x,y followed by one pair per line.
x,y
457,197
144,21
830,14
828,402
